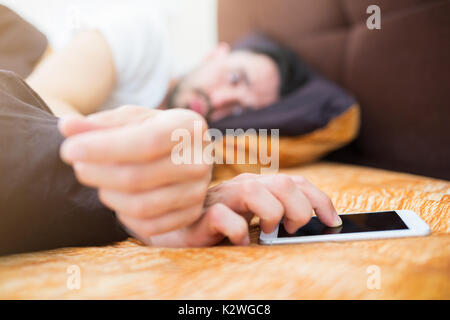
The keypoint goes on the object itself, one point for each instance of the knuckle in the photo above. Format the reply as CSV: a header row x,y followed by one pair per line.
x,y
194,116
129,179
200,170
215,213
283,182
241,232
278,212
188,117
137,208
301,180
250,186
154,142
80,173
245,176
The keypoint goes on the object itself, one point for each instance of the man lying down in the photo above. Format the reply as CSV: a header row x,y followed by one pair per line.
x,y
120,147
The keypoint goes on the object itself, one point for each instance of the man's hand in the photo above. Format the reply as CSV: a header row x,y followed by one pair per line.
x,y
126,155
231,205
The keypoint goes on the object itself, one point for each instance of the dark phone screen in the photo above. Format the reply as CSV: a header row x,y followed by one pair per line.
x,y
351,223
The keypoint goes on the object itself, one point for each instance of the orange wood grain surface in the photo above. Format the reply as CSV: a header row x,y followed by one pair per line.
x,y
410,268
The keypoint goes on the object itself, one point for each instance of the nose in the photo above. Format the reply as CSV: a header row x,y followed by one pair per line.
x,y
223,97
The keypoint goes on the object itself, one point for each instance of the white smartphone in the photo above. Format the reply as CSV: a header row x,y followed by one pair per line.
x,y
355,226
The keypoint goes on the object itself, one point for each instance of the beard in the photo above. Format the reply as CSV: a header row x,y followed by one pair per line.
x,y
174,99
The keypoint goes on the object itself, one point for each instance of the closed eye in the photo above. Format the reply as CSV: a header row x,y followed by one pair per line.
x,y
238,76
234,78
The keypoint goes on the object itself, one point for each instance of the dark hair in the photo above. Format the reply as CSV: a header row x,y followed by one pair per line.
x,y
293,72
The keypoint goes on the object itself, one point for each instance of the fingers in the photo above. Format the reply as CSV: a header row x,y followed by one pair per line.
x,y
153,203
124,144
222,220
144,229
218,222
321,203
263,203
215,224
268,197
75,124
297,208
71,125
130,161
271,197
138,177
143,141
122,115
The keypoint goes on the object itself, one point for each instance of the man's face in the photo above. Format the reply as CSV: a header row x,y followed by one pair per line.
x,y
228,82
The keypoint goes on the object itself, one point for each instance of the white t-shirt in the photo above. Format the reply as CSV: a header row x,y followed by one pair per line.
x,y
140,48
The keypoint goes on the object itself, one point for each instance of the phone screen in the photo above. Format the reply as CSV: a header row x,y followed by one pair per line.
x,y
351,223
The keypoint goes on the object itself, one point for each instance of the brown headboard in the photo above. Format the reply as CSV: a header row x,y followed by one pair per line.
x,y
399,74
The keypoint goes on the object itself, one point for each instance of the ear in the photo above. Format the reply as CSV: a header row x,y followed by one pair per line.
x,y
221,50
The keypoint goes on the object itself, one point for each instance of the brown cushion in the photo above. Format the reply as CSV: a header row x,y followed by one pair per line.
x,y
356,9
43,206
401,77
399,74
21,44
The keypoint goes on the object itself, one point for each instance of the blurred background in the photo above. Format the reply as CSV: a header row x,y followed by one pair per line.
x,y
57,19
398,74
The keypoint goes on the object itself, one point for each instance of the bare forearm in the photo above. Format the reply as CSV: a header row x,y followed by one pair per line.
x,y
58,107
79,78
